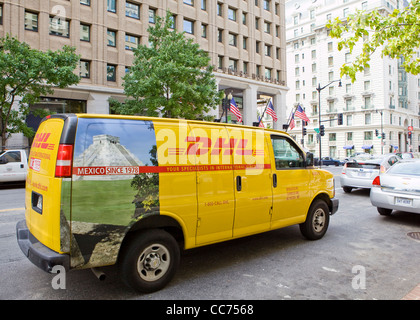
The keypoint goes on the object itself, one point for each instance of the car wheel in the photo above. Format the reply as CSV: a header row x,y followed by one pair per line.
x,y
347,189
317,221
384,212
149,261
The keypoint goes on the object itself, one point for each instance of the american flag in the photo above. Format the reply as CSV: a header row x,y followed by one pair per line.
x,y
270,111
292,122
261,124
234,109
301,114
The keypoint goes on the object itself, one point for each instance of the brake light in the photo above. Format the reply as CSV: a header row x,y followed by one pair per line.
x,y
376,181
344,169
63,167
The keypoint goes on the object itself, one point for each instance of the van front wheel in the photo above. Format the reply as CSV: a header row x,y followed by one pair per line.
x,y
317,221
150,261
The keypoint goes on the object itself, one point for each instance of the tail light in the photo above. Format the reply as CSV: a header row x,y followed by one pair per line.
x,y
376,181
344,169
64,161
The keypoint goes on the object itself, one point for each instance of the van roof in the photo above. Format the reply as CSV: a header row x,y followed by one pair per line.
x,y
129,117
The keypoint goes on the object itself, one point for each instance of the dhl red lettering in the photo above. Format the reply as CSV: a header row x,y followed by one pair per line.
x,y
194,148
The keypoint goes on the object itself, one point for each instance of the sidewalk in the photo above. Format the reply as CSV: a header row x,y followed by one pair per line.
x,y
413,294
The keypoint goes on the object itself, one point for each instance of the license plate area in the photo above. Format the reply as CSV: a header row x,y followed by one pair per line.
x,y
405,202
37,202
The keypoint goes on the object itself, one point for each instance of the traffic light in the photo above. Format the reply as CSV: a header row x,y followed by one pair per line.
x,y
383,135
322,130
304,131
340,119
376,132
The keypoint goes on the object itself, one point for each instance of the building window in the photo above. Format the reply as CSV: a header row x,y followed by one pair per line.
x,y
85,2
204,5
112,5
244,43
189,2
268,72
111,72
266,5
233,64
131,42
219,9
31,21
232,39
59,27
232,14
152,15
267,50
111,38
257,46
84,69
189,26
220,35
132,10
84,32
204,31
267,27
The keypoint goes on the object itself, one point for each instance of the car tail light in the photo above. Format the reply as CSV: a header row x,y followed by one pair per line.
x,y
64,161
376,181
344,169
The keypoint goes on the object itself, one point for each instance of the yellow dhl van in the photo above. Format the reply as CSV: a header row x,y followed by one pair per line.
x,y
105,189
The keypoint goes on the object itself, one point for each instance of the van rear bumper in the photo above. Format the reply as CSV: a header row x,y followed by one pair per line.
x,y
36,252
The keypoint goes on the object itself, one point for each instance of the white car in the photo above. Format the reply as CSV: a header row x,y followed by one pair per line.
x,y
360,172
397,189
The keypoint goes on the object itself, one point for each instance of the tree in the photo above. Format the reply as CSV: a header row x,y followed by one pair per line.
x,y
169,77
27,74
397,34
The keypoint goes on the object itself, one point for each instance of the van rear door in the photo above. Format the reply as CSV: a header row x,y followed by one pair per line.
x,y
43,188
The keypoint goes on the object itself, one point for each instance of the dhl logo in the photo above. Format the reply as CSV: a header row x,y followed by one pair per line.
x,y
40,141
204,145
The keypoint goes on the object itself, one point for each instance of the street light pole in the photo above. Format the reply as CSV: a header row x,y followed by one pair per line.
x,y
319,89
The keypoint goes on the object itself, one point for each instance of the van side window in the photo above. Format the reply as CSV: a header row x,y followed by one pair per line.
x,y
12,156
286,154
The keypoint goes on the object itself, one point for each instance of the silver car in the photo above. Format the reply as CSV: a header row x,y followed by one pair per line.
x,y
360,172
397,189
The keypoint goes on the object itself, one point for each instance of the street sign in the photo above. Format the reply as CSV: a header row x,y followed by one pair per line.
x,y
316,130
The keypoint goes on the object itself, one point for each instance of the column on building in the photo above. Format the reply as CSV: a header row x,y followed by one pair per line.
x,y
250,104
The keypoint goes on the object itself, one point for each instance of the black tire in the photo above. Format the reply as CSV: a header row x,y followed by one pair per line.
x,y
317,221
347,189
384,212
149,261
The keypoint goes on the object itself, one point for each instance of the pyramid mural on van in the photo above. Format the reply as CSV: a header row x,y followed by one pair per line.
x,y
107,151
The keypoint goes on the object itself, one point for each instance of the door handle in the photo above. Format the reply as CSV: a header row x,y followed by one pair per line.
x,y
274,180
238,183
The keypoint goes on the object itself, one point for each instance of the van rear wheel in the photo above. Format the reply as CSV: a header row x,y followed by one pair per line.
x,y
317,221
150,261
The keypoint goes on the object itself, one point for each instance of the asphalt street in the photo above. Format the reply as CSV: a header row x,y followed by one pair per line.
x,y
363,256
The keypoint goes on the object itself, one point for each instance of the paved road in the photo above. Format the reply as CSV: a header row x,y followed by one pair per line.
x,y
362,256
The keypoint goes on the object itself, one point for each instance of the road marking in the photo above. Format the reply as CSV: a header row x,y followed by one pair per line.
x,y
14,209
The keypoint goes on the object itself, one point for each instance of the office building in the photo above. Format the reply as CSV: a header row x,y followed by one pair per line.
x,y
383,99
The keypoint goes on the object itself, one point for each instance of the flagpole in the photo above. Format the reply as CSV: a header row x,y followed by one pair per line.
x,y
290,117
263,112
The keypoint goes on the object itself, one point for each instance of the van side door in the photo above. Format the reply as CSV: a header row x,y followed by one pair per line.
x,y
210,148
252,178
291,193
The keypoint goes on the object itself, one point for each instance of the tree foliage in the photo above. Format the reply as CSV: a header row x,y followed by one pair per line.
x,y
397,34
170,77
25,75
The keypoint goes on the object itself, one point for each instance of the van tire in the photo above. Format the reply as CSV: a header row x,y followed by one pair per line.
x,y
149,261
317,221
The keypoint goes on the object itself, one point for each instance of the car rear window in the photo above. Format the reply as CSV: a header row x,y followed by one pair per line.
x,y
363,165
409,168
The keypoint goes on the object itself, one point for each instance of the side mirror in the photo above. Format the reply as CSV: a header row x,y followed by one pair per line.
x,y
309,159
3,160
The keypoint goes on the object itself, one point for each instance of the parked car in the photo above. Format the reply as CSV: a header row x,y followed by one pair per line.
x,y
328,161
398,188
359,173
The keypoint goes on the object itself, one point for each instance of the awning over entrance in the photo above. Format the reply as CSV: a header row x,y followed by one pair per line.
x,y
348,147
367,146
